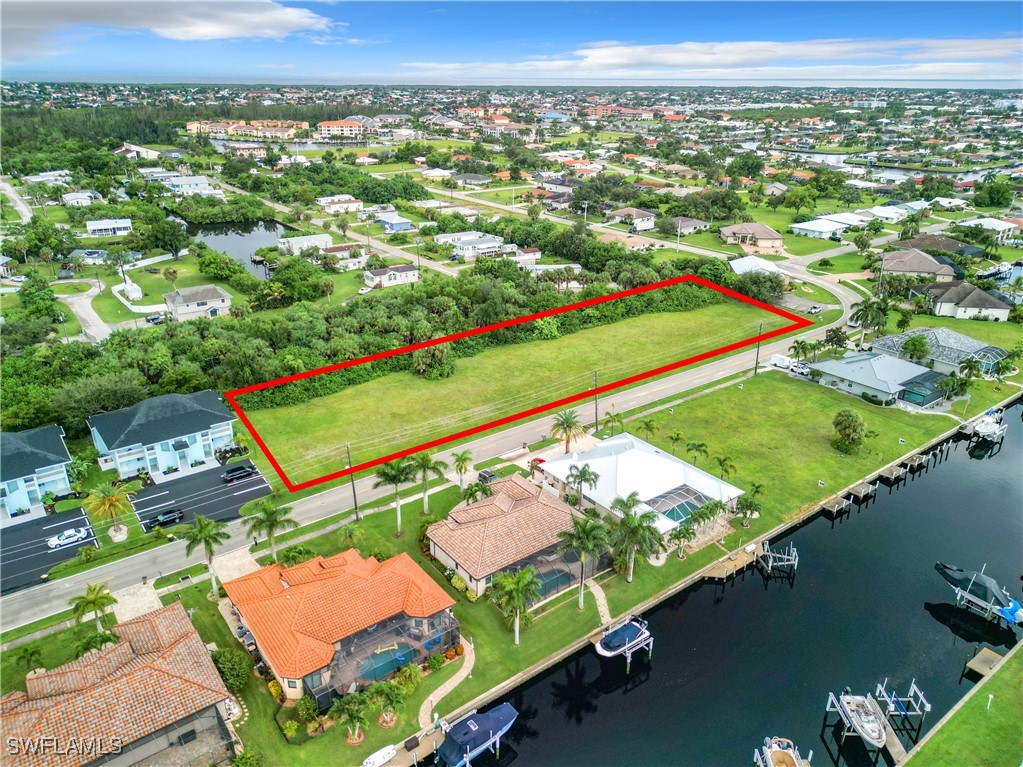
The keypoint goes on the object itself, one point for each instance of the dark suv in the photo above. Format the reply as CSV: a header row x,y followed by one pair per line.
x,y
239,472
486,476
166,518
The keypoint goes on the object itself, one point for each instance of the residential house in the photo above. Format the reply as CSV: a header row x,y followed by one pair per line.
x,y
250,149
916,263
951,203
629,243
79,199
51,177
625,464
471,179
188,184
471,245
516,526
199,301
136,152
158,174
681,171
934,242
747,264
685,225
754,235
6,270
819,228
880,376
32,463
339,203
948,349
438,174
561,185
366,160
295,245
388,277
962,300
889,214
344,129
775,188
108,227
1002,230
329,626
164,434
641,220
392,222
849,219
152,697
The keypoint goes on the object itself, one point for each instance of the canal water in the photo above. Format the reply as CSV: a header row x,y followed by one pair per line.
x,y
240,241
735,663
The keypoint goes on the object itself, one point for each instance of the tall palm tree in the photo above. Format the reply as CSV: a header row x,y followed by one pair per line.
x,y
682,535
474,491
269,520
799,348
674,438
712,509
395,473
647,426
388,699
108,502
461,462
697,449
352,711
588,537
746,507
725,465
611,420
209,534
634,533
866,313
96,599
425,464
969,369
567,426
514,590
579,476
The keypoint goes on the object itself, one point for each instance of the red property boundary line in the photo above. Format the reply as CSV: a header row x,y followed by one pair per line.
x,y
232,396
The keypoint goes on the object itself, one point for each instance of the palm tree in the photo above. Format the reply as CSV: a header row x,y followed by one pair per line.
x,y
295,555
634,533
567,426
29,657
388,699
969,369
799,349
866,313
647,426
746,507
95,641
588,537
96,599
514,590
474,491
108,502
710,510
682,535
424,465
579,476
350,536
756,489
209,534
269,520
725,464
949,385
674,438
697,449
396,473
462,462
352,710
611,420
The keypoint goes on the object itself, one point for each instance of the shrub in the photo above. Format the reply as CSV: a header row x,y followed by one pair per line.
x,y
306,709
276,691
459,649
471,597
434,662
235,667
248,758
459,584
290,729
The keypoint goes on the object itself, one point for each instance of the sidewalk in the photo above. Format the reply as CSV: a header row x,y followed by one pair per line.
x,y
430,704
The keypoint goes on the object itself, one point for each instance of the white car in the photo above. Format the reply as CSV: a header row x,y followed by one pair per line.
x,y
815,310
800,369
364,291
19,278
68,537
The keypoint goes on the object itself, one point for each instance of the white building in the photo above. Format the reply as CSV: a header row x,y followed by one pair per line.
x,y
32,464
295,245
188,184
1001,229
200,301
849,219
52,177
887,213
471,245
390,276
340,129
819,228
108,227
748,264
339,203
77,199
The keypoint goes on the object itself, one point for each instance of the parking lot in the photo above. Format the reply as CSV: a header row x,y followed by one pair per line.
x,y
204,493
24,556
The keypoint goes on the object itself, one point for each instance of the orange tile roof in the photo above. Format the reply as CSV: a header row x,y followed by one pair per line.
x,y
517,521
297,613
157,674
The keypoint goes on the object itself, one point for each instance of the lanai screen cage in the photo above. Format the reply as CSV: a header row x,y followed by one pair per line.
x,y
558,572
377,652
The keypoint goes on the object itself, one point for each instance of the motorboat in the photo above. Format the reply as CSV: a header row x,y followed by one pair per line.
x,y
475,733
381,757
864,715
778,752
623,637
981,593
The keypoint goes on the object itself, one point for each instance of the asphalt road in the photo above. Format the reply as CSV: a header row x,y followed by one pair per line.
x,y
204,493
24,556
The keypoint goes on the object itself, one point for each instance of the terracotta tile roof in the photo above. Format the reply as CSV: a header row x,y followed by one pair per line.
x,y
297,613
157,674
517,521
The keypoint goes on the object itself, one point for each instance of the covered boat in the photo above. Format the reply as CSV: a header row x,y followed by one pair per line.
x,y
865,717
623,637
474,733
981,593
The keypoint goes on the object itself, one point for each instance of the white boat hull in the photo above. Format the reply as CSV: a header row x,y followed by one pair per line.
x,y
866,718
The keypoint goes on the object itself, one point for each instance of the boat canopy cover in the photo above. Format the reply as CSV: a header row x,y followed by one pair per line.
x,y
622,637
475,731
976,584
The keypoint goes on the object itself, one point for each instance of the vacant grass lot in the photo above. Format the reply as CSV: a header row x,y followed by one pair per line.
x,y
847,263
154,285
306,437
797,245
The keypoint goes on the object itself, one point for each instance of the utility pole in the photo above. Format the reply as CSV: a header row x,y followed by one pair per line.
x,y
351,479
586,209
678,237
756,364
596,413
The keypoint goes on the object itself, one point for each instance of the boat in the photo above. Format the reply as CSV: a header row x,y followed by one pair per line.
x,y
623,637
475,733
864,715
381,757
990,425
981,593
778,752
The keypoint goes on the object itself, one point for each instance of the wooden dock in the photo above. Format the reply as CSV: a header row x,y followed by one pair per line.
x,y
983,662
836,504
728,567
893,473
917,461
863,490
893,745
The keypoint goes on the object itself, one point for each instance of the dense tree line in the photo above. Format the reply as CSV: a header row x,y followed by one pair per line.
x,y
240,209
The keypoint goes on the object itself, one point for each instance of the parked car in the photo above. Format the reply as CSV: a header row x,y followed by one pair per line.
x,y
166,518
154,319
815,309
835,237
19,278
364,291
486,476
800,368
67,537
239,472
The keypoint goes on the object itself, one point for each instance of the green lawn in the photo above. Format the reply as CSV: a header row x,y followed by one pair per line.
x,y
503,380
55,650
154,285
69,288
711,241
991,736
797,245
109,308
847,263
812,292
1004,334
504,196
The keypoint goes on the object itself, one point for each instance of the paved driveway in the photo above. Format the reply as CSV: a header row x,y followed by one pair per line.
x,y
204,493
24,556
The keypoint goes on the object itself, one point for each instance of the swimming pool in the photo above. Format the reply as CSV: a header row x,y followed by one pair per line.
x,y
386,661
680,512
553,580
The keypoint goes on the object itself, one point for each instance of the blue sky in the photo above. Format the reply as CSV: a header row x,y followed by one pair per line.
x,y
910,44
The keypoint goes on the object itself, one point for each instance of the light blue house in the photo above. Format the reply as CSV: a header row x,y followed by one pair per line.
x,y
172,434
392,222
32,464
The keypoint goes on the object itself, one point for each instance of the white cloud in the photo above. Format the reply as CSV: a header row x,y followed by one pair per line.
x,y
36,29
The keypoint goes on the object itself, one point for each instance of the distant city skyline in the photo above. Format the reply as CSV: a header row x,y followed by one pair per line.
x,y
867,44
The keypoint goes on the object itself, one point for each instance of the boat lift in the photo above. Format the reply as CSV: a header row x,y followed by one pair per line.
x,y
787,558
904,713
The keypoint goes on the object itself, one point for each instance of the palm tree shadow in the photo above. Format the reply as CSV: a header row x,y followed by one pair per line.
x,y
523,728
575,695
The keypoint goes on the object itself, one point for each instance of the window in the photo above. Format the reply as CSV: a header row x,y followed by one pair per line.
x,y
292,684
201,303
